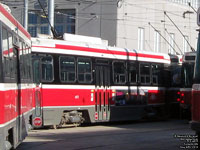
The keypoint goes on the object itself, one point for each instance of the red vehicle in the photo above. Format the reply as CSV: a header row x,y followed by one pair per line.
x,y
16,88
185,95
195,123
174,86
85,80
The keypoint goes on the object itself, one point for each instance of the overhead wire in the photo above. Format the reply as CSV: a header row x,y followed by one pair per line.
x,y
179,31
124,17
164,38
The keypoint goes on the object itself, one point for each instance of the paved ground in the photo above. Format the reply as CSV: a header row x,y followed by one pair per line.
x,y
163,135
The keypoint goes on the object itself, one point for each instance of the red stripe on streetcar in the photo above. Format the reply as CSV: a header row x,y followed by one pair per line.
x,y
95,50
14,22
104,51
153,91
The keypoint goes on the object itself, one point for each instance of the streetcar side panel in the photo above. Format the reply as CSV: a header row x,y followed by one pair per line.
x,y
110,95
15,110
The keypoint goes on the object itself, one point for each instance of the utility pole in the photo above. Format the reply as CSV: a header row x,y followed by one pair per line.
x,y
50,15
26,14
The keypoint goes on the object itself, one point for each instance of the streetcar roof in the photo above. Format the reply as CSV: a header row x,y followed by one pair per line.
x,y
54,46
189,57
7,18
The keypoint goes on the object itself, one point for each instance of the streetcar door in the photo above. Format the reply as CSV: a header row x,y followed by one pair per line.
x,y
37,117
18,76
102,93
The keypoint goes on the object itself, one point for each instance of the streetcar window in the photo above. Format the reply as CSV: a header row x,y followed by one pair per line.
x,y
5,49
67,69
176,77
12,62
119,72
84,70
25,61
22,60
47,69
144,73
156,74
28,65
36,71
132,73
187,74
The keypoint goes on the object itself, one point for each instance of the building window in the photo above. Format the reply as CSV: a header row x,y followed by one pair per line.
x,y
193,3
64,22
59,29
157,41
44,30
33,31
141,39
185,44
32,18
171,43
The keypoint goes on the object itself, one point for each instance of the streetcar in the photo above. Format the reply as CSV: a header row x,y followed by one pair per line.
x,y
185,94
195,123
174,86
82,79
16,86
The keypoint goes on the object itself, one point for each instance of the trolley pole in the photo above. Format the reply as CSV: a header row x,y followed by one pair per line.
x,y
50,15
25,14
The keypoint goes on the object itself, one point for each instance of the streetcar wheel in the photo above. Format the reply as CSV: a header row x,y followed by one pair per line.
x,y
55,126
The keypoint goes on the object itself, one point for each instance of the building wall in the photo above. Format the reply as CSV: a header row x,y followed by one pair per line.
x,y
16,8
118,21
96,19
134,14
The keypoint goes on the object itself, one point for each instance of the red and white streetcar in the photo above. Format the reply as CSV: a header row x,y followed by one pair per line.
x,y
82,79
187,72
195,123
16,88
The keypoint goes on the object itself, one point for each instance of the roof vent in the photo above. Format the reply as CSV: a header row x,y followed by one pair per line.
x,y
44,36
85,39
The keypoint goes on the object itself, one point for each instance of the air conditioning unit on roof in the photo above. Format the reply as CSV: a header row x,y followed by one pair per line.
x,y
84,39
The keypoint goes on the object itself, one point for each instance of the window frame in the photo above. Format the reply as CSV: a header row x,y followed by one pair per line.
x,y
6,71
140,76
11,57
75,68
129,71
141,38
91,65
159,82
172,43
52,63
64,21
157,41
125,72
